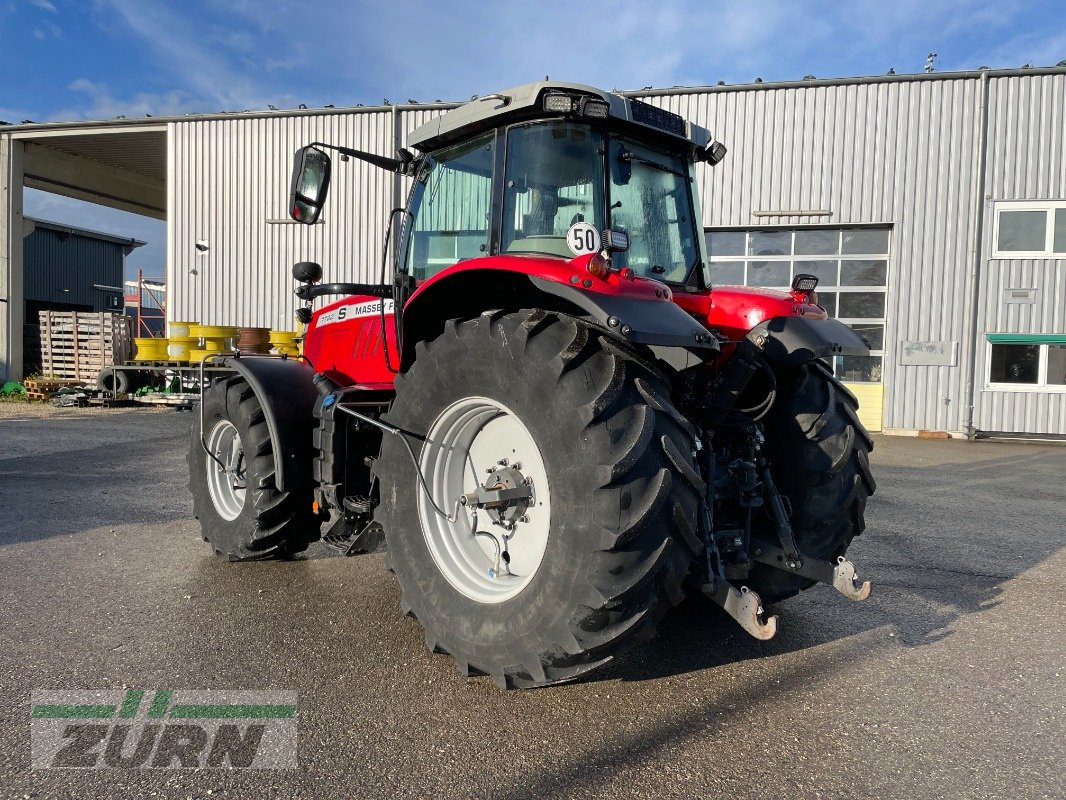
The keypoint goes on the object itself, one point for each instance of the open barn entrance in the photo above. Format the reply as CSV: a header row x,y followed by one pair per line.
x,y
78,172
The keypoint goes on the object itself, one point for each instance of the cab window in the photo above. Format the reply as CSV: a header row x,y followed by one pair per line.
x,y
651,201
451,206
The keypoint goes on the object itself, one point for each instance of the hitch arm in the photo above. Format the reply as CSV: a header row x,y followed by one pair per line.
x,y
745,606
742,604
841,575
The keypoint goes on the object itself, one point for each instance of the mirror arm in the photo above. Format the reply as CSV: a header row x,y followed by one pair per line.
x,y
309,292
384,162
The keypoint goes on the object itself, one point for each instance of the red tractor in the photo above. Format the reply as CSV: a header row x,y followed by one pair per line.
x,y
544,413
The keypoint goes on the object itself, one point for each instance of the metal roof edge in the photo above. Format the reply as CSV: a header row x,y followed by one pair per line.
x,y
161,122
129,241
973,74
445,106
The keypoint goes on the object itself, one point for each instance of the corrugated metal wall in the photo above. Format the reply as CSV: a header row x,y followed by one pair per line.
x,y
1026,161
62,267
904,152
901,153
229,189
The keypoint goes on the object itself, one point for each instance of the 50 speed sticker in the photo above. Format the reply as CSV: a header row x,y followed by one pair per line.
x,y
583,238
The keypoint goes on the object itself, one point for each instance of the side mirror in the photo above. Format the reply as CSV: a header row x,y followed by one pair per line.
x,y
712,153
310,184
307,272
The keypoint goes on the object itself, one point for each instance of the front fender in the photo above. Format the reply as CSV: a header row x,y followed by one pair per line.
x,y
791,341
284,389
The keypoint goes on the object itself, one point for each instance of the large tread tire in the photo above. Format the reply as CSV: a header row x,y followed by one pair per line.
x,y
272,523
819,454
624,495
117,381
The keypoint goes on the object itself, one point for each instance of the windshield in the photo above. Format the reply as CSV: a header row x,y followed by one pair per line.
x,y
652,202
563,184
554,180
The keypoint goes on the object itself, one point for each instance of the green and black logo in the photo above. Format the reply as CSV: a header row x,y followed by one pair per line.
x,y
163,729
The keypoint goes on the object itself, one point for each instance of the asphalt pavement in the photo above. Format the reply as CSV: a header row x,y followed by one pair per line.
x,y
948,682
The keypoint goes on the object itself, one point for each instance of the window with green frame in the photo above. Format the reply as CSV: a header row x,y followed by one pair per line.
x,y
1027,361
851,265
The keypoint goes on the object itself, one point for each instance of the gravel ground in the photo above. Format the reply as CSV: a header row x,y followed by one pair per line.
x,y
948,682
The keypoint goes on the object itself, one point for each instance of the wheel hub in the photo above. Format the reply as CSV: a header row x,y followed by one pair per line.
x,y
494,542
505,496
226,470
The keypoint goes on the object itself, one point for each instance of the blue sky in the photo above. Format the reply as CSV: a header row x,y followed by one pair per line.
x,y
97,59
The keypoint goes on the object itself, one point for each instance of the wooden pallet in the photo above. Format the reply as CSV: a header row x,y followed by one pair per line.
x,y
45,388
50,384
77,345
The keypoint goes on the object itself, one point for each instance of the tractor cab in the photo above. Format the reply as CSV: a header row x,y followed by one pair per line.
x,y
558,170
551,194
546,169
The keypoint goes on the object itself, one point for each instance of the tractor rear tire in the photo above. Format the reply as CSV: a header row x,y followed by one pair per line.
x,y
819,454
258,521
621,489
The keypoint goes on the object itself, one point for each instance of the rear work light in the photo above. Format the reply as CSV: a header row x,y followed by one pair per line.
x,y
615,241
804,283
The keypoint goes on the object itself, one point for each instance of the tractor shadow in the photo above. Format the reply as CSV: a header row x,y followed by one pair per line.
x,y
941,542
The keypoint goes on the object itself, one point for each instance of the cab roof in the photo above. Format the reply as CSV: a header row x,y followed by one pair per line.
x,y
526,102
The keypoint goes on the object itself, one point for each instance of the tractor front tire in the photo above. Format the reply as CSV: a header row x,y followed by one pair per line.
x,y
819,454
601,553
242,513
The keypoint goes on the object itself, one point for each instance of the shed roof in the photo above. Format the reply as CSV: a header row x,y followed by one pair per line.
x,y
128,241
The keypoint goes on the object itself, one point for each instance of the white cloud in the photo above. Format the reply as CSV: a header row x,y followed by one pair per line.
x,y
238,54
45,4
197,55
46,29
1038,49
103,105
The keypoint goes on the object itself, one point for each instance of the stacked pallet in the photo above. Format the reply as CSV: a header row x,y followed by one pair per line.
x,y
76,345
44,388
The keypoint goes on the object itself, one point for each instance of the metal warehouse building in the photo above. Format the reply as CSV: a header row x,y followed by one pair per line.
x,y
72,269
932,207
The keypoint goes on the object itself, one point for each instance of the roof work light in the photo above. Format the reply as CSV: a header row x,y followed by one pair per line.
x,y
559,103
597,109
593,107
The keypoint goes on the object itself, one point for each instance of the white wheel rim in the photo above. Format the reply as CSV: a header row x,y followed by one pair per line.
x,y
465,444
226,485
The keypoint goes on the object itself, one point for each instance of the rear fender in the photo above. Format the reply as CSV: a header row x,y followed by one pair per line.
x,y
639,321
792,341
467,293
284,389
